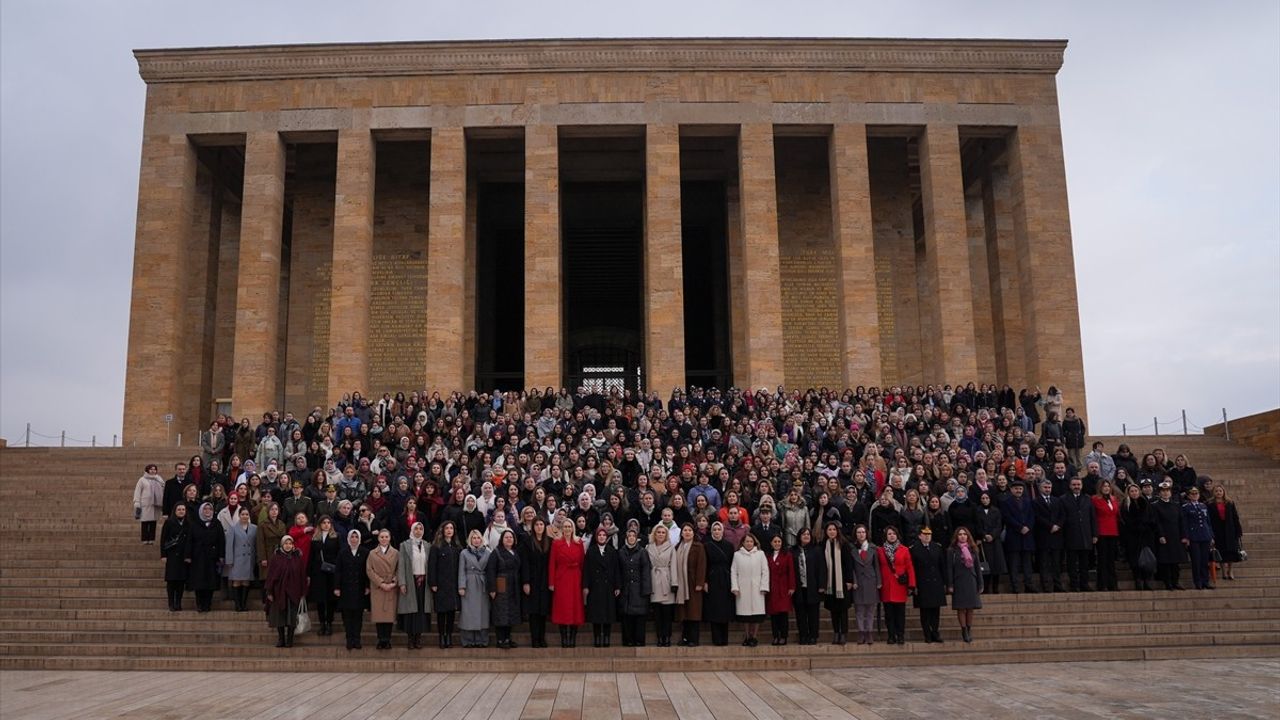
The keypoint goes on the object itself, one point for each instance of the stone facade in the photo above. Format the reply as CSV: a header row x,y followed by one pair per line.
x,y
916,188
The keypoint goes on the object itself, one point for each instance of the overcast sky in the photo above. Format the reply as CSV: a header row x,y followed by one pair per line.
x,y
1171,125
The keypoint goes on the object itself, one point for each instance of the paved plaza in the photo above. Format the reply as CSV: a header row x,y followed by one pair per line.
x,y
1172,689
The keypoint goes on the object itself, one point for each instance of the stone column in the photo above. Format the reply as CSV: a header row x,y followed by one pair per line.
x,y
663,262
1002,263
979,275
946,288
1046,263
255,383
854,237
762,288
351,278
446,261
166,193
543,313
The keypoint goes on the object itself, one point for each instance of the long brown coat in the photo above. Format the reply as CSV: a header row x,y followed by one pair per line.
x,y
383,568
691,610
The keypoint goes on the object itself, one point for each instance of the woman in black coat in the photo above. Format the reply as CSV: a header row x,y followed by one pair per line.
x,y
637,586
808,562
1170,528
324,550
175,537
535,552
939,521
1135,533
718,607
502,579
601,585
987,534
204,556
962,512
884,515
834,549
442,578
1227,530
352,587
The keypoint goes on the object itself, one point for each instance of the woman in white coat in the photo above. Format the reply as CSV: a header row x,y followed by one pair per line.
x,y
749,581
148,502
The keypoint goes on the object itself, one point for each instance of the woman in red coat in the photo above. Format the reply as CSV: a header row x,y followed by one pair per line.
x,y
564,580
899,581
1106,507
301,533
782,585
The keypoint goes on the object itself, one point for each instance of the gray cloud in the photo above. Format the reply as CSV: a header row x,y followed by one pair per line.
x,y
1171,124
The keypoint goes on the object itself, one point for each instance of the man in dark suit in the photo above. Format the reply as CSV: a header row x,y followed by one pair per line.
x,y
1048,533
928,559
1080,532
766,530
1019,543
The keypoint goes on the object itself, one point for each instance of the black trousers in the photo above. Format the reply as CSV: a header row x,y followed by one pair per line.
x,y
807,621
840,620
384,632
537,628
930,619
1078,569
691,630
632,630
353,624
148,530
174,591
204,600
1019,565
1168,573
719,633
1107,548
1050,569
444,622
325,610
895,619
781,626
662,617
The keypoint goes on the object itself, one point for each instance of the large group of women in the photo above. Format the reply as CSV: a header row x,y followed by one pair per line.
x,y
487,511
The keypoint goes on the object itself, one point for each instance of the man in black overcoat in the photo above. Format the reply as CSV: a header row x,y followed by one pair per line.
x,y
928,558
1050,517
1080,533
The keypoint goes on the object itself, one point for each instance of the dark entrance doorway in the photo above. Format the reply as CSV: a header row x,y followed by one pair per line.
x,y
495,171
602,234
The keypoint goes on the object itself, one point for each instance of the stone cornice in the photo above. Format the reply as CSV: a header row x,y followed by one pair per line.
x,y
270,62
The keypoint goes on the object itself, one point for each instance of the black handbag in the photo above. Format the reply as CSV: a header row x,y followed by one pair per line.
x,y
325,566
984,567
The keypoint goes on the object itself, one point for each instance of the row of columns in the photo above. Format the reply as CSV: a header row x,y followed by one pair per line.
x,y
1041,256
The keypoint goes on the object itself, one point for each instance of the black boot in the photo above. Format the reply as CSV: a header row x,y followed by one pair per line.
x,y
280,637
564,636
244,599
596,641
288,636
965,634
573,636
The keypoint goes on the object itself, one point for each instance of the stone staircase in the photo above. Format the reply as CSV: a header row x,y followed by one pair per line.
x,y
77,591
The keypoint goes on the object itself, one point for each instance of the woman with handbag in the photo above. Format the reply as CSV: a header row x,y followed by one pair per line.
x,y
413,609
323,572
898,580
1136,534
1228,533
502,578
286,587
964,580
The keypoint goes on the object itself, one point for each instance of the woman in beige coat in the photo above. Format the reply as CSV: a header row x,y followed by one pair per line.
x,y
148,501
384,587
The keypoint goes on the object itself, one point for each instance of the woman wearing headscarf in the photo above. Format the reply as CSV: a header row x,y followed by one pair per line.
x,y
241,558
535,553
352,589
286,585
782,586
662,560
493,533
148,501
601,585
474,591
175,537
323,572
718,607
206,550
866,583
502,578
636,588
897,581
564,571
470,519
690,570
383,568
837,579
442,578
964,580
413,609
809,578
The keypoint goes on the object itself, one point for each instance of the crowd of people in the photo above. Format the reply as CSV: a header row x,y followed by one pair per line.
x,y
711,507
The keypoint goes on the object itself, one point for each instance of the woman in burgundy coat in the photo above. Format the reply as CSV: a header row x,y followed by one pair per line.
x,y
782,585
564,579
285,587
